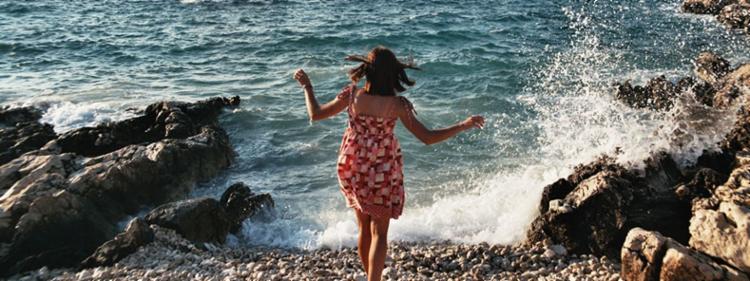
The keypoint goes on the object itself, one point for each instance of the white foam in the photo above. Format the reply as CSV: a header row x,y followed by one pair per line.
x,y
66,115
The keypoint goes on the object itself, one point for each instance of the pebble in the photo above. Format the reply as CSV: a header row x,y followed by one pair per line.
x,y
170,257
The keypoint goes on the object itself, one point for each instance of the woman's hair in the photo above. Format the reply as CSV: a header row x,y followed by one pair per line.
x,y
383,71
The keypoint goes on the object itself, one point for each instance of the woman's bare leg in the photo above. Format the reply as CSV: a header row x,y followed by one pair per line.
x,y
363,245
378,248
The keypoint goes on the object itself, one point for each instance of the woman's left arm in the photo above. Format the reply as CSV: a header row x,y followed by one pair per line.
x,y
315,110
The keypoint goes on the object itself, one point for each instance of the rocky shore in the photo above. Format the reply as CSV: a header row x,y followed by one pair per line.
x,y
171,257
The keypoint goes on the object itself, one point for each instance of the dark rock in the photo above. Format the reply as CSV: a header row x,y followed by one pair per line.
x,y
160,120
198,220
60,206
657,94
556,190
735,16
207,220
720,161
240,203
57,231
702,184
705,6
21,132
136,234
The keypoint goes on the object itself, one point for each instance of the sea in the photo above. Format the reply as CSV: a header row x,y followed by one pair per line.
x,y
540,71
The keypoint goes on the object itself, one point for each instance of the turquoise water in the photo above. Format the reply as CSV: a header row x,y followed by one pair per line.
x,y
540,71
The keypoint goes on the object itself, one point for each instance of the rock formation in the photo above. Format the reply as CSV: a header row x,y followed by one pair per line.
x,y
63,200
732,13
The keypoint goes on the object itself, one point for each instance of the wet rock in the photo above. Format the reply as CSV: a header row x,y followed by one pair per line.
x,y
596,215
240,202
705,6
647,255
657,94
198,220
136,234
172,120
735,16
702,184
208,220
21,132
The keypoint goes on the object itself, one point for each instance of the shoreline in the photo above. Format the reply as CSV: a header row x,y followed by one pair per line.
x,y
171,257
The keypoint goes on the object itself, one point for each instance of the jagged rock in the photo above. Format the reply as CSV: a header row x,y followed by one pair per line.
x,y
21,132
198,220
710,67
647,256
240,203
703,183
57,231
54,196
705,6
595,216
723,233
209,220
735,16
733,85
161,120
136,234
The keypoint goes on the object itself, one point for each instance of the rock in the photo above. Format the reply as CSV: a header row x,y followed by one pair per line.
x,y
208,220
705,6
198,220
647,255
596,215
173,120
240,203
710,67
21,132
723,233
657,94
73,193
733,85
136,234
57,231
735,16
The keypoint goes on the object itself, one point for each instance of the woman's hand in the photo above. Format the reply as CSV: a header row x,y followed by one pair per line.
x,y
302,78
474,121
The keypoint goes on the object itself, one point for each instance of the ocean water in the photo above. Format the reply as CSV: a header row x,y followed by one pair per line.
x,y
541,72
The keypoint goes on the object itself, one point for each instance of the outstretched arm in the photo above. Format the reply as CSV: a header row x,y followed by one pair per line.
x,y
428,136
315,110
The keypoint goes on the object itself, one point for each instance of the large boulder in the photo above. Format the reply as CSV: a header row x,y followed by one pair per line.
x,y
240,203
198,220
733,85
649,256
52,194
723,233
136,234
161,120
606,201
58,230
21,132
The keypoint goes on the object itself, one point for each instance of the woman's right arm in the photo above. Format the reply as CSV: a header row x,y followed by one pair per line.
x,y
427,136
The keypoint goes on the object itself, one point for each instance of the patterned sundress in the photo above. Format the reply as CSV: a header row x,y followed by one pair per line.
x,y
369,165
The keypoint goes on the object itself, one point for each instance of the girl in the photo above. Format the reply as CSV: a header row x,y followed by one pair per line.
x,y
369,162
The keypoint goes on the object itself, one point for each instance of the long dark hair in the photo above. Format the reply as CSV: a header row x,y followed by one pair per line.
x,y
383,71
